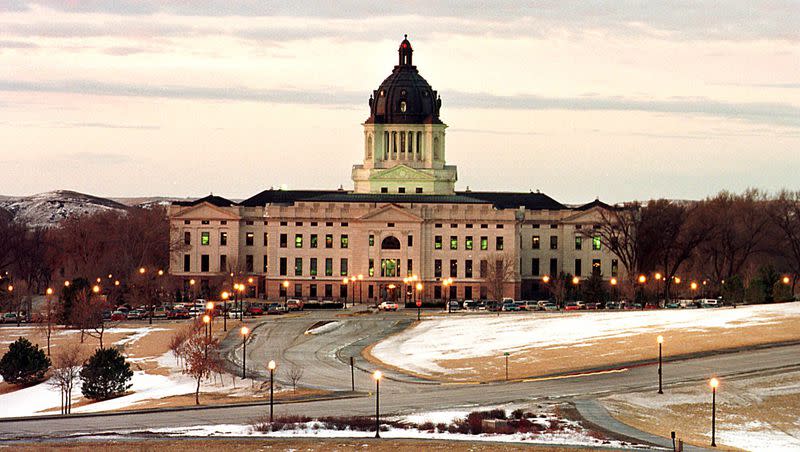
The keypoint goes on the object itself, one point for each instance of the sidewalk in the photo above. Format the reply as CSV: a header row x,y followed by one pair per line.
x,y
594,412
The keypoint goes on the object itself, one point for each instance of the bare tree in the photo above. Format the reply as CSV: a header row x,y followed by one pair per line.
x,y
201,358
784,212
294,374
87,314
620,230
66,369
498,270
47,318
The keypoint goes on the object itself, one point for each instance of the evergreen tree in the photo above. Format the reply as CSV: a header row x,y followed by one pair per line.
x,y
23,363
105,375
594,289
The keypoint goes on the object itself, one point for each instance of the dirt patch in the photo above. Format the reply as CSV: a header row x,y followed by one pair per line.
x,y
306,445
216,398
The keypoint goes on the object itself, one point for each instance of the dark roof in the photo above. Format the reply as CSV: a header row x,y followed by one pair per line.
x,y
211,199
512,200
273,196
595,203
395,198
404,97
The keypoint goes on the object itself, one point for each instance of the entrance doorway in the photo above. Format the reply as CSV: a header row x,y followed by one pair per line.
x,y
390,292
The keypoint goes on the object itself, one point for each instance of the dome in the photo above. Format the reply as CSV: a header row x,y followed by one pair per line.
x,y
404,97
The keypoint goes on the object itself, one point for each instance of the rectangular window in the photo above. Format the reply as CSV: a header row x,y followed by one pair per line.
x,y
483,268
468,269
298,223
249,223
499,243
329,224
578,267
283,223
328,240
468,243
328,266
223,238
614,268
553,226
453,225
596,270
298,266
390,267
553,267
535,242
371,268
312,291
328,290
384,189
410,240
419,189
484,243
596,243
249,238
453,268
401,189
186,260
248,263
298,240
298,291
266,239
265,264
187,238
371,240
535,266
313,241
344,241
187,222
204,263
468,292
223,262
437,242
205,238
409,267
578,242
343,266
453,242
283,265
343,291
553,242
284,240
437,268
313,266
535,226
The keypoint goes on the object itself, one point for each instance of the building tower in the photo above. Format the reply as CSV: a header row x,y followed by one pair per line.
x,y
404,139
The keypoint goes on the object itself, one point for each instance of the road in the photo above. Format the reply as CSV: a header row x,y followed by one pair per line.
x,y
324,359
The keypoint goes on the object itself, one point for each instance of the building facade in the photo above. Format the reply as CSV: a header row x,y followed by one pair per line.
x,y
403,218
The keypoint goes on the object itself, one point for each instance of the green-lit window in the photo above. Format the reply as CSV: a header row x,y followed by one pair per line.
x,y
298,240
343,266
372,267
484,243
468,242
205,238
371,240
312,270
328,266
437,242
578,242
298,266
596,243
328,240
313,240
345,242
453,242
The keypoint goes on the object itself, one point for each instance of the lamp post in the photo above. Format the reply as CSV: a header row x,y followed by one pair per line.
x,y
660,340
713,383
614,283
285,292
49,294
352,291
360,287
241,302
642,279
345,281
210,312
225,295
506,354
576,281
418,300
245,331
207,322
446,283
377,376
271,367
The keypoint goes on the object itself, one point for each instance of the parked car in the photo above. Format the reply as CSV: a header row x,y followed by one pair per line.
x,y
592,306
510,306
572,306
454,305
160,312
10,317
470,305
672,305
275,309
581,304
135,314
532,305
106,315
651,306
118,316
540,304
523,306
194,311
494,306
506,300
294,305
550,306
387,306
254,310
234,313
612,305
178,313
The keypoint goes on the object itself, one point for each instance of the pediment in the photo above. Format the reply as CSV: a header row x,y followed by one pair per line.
x,y
404,173
593,215
205,211
390,213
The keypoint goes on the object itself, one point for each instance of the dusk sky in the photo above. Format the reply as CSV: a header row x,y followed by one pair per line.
x,y
619,100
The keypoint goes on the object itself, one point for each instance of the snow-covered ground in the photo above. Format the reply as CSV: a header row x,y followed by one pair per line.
x,y
420,348
324,328
35,399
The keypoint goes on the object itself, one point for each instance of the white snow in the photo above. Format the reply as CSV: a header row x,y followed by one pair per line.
x,y
423,346
136,334
322,329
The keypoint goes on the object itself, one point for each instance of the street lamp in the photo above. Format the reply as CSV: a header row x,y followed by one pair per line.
x,y
418,301
96,289
377,375
271,367
345,281
642,279
446,283
405,290
245,331
225,295
614,283
713,383
285,292
360,285
786,280
353,290
241,302
506,355
660,340
207,322
545,279
66,283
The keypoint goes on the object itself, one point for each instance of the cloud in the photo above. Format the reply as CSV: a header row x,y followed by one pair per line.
x,y
101,158
755,112
17,45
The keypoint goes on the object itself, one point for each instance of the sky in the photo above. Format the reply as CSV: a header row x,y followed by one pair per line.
x,y
618,100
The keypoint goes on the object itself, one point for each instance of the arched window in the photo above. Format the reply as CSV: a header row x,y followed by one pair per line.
x,y
385,145
436,148
390,243
369,146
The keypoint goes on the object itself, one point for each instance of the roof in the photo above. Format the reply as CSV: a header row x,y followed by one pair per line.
x,y
211,199
395,198
593,204
273,196
514,200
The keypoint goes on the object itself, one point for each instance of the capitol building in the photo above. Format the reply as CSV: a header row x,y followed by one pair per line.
x,y
403,218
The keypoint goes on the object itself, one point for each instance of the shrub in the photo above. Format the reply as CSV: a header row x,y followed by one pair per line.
x,y
105,375
23,363
475,422
518,413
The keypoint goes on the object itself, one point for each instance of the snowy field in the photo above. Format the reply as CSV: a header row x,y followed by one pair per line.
x,y
423,347
754,413
43,399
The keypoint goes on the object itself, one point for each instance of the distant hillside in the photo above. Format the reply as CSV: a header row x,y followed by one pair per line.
x,y
50,208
